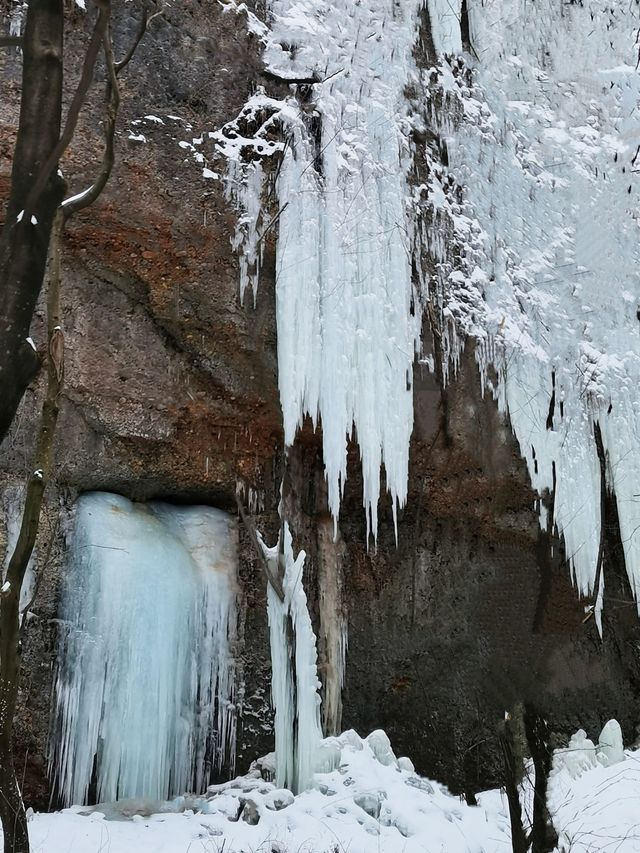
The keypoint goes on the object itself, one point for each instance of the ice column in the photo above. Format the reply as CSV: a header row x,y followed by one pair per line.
x,y
294,682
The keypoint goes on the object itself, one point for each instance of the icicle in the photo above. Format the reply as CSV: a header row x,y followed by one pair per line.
x,y
444,16
16,18
294,680
145,674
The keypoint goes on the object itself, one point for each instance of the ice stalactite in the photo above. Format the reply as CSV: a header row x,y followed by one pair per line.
x,y
444,16
348,314
294,678
542,139
145,675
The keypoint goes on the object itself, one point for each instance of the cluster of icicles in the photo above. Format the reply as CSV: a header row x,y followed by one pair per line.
x,y
544,147
348,314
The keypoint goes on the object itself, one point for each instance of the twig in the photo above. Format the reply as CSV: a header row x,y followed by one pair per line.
x,y
271,576
112,107
39,577
144,25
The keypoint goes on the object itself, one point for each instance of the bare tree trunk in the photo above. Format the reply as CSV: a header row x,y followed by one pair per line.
x,y
24,241
12,812
543,835
512,754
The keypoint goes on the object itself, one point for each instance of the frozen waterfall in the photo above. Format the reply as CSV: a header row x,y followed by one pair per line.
x,y
348,315
145,675
542,137
522,224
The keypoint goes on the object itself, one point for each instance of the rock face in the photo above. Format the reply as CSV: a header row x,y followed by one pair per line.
x,y
171,393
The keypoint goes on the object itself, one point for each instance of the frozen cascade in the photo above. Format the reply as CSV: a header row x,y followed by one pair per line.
x,y
348,316
543,141
145,675
295,688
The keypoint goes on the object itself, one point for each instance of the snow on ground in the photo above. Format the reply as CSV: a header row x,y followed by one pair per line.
x,y
370,802
598,810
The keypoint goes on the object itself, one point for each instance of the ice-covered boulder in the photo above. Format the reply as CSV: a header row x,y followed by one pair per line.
x,y
580,754
279,799
610,746
381,747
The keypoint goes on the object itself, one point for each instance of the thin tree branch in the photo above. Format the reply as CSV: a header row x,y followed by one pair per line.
x,y
44,450
602,461
23,241
144,25
271,577
53,532
16,839
112,107
86,79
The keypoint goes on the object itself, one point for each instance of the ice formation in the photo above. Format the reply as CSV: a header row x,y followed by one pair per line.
x,y
542,139
347,312
294,674
582,754
145,676
16,18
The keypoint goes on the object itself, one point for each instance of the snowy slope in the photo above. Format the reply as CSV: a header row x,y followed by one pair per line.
x,y
371,802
